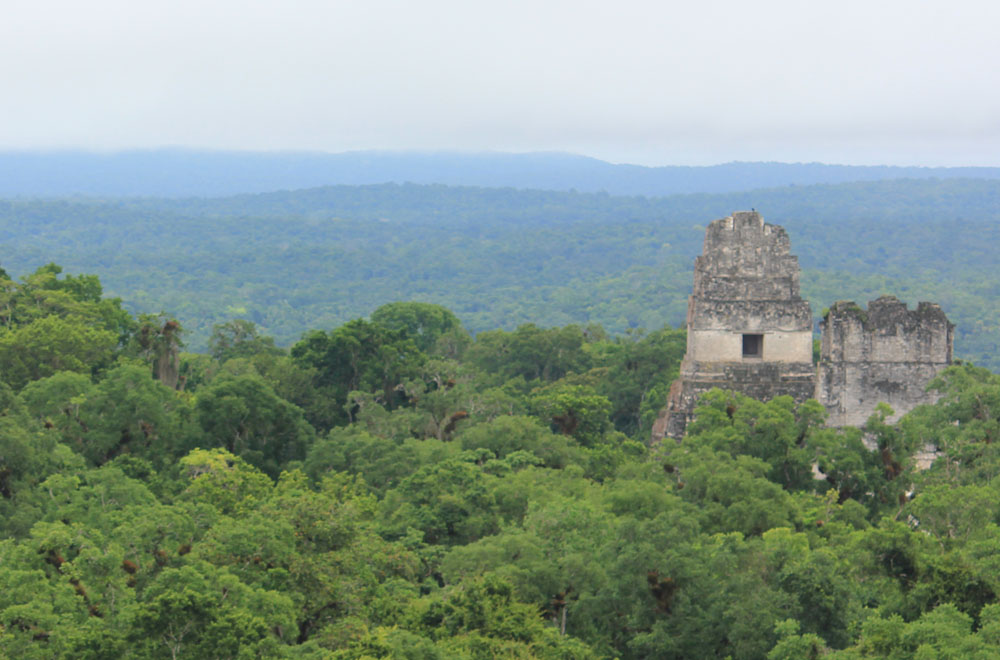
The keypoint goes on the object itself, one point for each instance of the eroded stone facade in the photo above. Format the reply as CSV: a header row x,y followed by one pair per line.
x,y
749,330
884,353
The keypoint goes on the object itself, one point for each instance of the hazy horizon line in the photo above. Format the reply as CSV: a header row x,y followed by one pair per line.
x,y
208,150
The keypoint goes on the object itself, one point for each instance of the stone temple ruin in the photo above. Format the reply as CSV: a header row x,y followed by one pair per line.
x,y
749,330
885,353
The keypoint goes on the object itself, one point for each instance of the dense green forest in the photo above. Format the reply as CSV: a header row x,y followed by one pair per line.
x,y
392,487
498,258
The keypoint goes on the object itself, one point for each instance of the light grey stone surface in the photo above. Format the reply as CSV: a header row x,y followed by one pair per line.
x,y
746,281
885,353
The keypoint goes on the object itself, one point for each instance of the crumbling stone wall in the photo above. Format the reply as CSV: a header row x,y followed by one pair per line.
x,y
748,329
885,353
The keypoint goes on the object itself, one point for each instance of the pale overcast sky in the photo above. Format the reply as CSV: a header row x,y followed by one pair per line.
x,y
902,82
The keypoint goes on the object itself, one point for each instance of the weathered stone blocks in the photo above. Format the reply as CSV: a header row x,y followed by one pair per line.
x,y
749,330
885,353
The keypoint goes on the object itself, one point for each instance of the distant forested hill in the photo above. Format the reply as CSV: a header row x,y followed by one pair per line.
x,y
292,261
184,172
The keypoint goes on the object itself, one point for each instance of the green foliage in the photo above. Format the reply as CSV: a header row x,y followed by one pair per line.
x,y
359,356
573,410
28,455
158,342
941,633
500,258
128,412
450,503
777,432
382,462
205,611
639,370
509,434
52,344
964,426
239,338
531,353
482,619
244,415
432,328
223,481
793,646
472,499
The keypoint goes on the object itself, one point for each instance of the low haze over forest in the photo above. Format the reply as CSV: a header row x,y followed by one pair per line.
x,y
180,172
499,257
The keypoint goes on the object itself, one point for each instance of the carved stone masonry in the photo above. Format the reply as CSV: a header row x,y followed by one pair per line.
x,y
749,330
885,353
